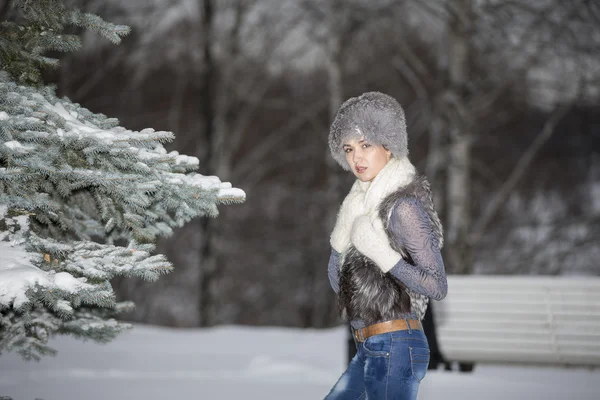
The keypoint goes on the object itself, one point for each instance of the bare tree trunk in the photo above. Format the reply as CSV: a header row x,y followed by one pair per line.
x,y
327,182
459,152
458,195
436,160
221,143
4,10
430,97
336,31
176,105
207,256
334,72
223,148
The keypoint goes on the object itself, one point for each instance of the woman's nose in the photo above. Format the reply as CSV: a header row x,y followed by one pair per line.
x,y
356,156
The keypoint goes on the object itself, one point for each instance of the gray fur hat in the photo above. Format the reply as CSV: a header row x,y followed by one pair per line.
x,y
373,115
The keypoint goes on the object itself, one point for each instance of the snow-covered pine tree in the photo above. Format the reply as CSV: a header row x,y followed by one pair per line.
x,y
82,200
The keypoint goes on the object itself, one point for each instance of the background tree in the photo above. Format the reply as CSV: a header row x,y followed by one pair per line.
x,y
480,76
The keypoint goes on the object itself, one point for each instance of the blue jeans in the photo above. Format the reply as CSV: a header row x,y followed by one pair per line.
x,y
386,366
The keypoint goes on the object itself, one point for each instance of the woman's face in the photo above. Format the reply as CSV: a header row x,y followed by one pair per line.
x,y
365,159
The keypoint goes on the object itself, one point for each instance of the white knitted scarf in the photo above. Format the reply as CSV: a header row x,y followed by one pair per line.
x,y
364,198
396,173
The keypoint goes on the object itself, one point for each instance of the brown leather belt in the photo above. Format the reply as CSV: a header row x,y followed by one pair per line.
x,y
384,327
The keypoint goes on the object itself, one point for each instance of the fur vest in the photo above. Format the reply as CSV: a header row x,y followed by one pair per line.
x,y
367,293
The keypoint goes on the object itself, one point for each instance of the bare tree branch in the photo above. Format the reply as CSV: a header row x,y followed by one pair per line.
x,y
518,172
276,137
284,158
415,82
100,73
481,102
245,116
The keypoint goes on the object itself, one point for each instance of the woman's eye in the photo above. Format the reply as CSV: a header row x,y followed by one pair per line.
x,y
347,150
365,145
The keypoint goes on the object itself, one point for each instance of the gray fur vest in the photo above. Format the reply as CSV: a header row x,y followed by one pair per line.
x,y
369,294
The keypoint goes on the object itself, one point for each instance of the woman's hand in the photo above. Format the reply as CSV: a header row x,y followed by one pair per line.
x,y
370,239
351,208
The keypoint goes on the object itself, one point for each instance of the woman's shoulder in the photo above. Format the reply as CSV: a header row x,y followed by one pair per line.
x,y
416,193
414,206
418,188
409,207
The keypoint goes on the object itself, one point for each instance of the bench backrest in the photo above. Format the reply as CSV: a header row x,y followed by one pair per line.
x,y
523,319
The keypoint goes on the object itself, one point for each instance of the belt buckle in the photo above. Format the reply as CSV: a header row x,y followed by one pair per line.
x,y
359,335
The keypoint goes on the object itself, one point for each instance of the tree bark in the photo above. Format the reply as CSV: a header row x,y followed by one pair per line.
x,y
220,144
4,10
459,152
333,192
207,256
436,159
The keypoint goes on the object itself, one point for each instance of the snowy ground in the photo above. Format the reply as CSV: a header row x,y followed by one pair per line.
x,y
251,363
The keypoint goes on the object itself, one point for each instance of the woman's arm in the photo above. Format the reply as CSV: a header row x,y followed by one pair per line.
x,y
333,270
412,228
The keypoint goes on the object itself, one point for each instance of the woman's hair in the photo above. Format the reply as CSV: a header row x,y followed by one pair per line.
x,y
375,116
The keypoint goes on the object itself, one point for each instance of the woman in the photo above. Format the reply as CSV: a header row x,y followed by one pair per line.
x,y
385,260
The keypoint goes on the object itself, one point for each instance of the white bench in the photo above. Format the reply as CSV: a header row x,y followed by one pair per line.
x,y
520,319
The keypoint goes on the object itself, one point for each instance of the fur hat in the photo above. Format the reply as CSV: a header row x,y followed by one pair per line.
x,y
373,115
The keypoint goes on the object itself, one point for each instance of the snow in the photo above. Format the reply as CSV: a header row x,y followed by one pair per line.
x,y
207,182
13,144
235,362
23,221
233,193
70,284
3,115
64,306
183,159
17,146
18,274
73,122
